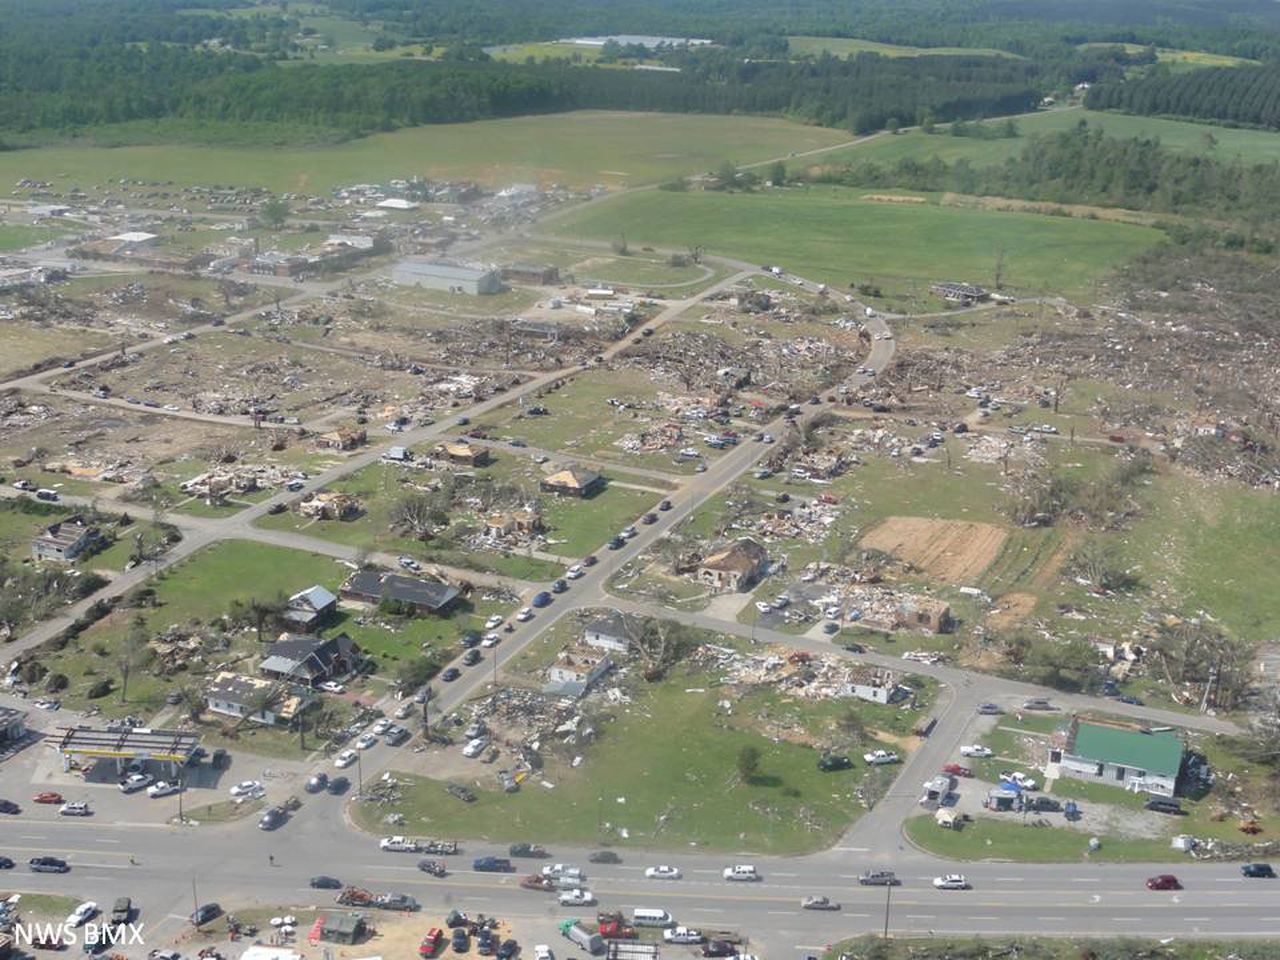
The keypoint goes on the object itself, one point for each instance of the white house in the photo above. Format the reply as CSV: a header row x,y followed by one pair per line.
x,y
608,632
252,698
874,685
575,669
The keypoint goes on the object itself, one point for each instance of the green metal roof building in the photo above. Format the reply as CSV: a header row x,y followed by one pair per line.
x,y
1132,758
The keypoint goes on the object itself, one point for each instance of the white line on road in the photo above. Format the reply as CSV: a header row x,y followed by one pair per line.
x,y
105,866
1125,919
97,878
1050,918
1086,880
1221,879
705,910
31,837
920,916
780,913
984,918
1009,879
100,840
853,849
784,874
1197,919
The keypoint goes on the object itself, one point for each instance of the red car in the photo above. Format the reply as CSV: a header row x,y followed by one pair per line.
x,y
1164,881
48,797
431,943
956,770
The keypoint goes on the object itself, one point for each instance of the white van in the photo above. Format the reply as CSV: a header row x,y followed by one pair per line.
x,y
649,917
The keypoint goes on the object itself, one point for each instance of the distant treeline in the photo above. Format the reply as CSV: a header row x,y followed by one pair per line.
x,y
115,84
1081,166
1244,28
1241,95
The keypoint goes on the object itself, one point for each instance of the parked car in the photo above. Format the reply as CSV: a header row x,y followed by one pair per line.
x,y
460,942
682,935
957,770
76,808
332,686
604,856
559,586
1257,871
338,786
663,872
272,818
1163,881
508,950
541,599
665,505
471,657
975,750
951,881
719,948
9,807
6,863
576,897
204,913
163,788
524,615
365,741
82,914
879,757
323,882
1020,778
450,674
575,572
47,796
431,944
819,903
135,782
247,788
831,761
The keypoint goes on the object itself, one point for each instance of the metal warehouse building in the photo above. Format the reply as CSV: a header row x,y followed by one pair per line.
x,y
446,276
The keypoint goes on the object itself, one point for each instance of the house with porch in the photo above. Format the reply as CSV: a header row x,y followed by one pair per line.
x,y
1125,755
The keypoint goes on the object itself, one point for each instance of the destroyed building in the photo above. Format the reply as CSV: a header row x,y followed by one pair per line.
x,y
65,540
736,568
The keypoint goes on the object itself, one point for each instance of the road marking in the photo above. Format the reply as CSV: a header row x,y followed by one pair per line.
x,y
1051,918
1009,879
705,910
32,837
1197,919
984,918
1086,880
1126,919
779,913
920,916
852,849
859,915
106,841
1221,879
105,866
97,878
784,874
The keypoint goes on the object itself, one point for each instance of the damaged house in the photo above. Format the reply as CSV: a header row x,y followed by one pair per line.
x,y
65,540
253,698
736,568
522,524
576,668
408,593
572,482
462,454
311,660
329,506
308,608
874,685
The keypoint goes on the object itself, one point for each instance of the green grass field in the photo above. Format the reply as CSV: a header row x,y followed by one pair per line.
x,y
834,235
1011,839
579,149
1179,59
665,770
1184,136
851,46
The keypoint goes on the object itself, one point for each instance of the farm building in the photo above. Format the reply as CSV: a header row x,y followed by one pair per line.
x,y
454,278
736,568
572,482
1119,754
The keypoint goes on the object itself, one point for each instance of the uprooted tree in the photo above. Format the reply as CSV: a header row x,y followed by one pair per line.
x,y
1199,654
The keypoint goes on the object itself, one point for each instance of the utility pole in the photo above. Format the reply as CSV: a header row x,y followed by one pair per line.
x,y
195,900
181,818
888,898
359,774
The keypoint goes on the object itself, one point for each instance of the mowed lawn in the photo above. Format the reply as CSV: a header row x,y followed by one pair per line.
x,y
1254,146
580,149
833,235
665,772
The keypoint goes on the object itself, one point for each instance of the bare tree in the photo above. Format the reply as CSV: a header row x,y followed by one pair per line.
x,y
131,653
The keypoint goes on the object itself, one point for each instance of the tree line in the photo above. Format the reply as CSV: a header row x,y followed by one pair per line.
x,y
1239,95
114,84
1082,165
